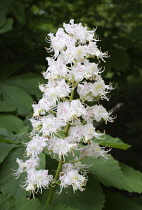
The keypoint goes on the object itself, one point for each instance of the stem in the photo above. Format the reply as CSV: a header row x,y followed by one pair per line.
x,y
72,92
52,190
75,161
85,96
67,129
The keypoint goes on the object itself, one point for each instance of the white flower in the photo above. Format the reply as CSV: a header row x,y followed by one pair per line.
x,y
84,89
69,111
84,132
98,112
82,168
94,150
61,147
51,124
36,123
91,70
43,106
89,132
55,90
31,187
77,72
72,178
56,69
36,145
79,53
60,41
38,180
97,89
25,166
67,167
76,132
76,109
79,32
100,89
94,51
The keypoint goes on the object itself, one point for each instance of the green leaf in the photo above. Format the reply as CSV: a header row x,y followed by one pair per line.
x,y
5,106
17,97
106,171
28,204
7,27
10,138
112,142
7,134
28,82
8,183
23,135
4,150
7,202
117,201
4,8
132,178
11,122
9,69
3,140
61,207
110,173
91,198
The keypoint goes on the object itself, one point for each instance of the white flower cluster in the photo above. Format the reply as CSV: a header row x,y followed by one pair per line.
x,y
62,123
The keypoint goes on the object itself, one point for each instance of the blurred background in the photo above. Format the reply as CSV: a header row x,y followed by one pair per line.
x,y
24,25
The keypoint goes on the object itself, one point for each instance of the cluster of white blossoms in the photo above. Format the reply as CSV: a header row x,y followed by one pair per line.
x,y
63,119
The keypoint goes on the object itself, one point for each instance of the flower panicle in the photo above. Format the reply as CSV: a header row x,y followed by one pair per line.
x,y
62,123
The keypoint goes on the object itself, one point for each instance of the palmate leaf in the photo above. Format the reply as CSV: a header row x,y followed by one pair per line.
x,y
7,202
3,140
11,122
8,183
4,7
17,98
91,198
6,134
110,141
61,207
132,178
5,106
28,82
28,204
4,150
107,171
7,26
23,135
110,173
10,138
117,201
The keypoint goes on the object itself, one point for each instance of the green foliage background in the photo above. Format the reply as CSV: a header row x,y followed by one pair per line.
x,y
23,28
